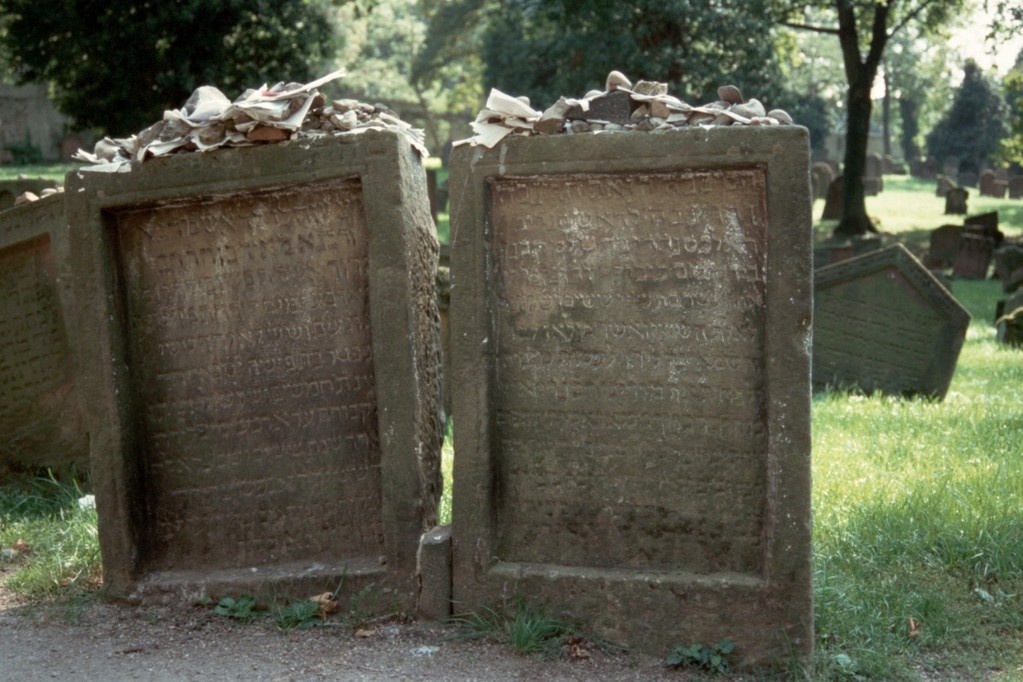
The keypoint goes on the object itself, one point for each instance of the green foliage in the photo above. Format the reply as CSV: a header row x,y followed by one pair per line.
x,y
1011,150
24,152
298,615
61,547
709,659
118,64
974,125
242,609
528,628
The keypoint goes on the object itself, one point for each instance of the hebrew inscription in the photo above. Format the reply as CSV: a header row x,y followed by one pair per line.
x,y
250,340
630,428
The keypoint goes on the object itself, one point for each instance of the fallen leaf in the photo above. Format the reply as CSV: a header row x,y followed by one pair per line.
x,y
365,632
914,628
21,547
326,602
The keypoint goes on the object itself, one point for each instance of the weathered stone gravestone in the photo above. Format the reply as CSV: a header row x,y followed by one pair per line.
x,y
873,181
1008,260
968,179
883,323
991,186
944,246
40,424
985,224
955,201
1016,187
822,176
835,201
950,168
973,258
630,336
943,187
262,367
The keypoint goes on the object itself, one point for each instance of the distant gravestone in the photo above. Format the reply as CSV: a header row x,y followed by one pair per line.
x,y
822,176
955,201
1008,259
40,423
944,186
991,186
630,332
883,323
944,245
928,169
1016,187
974,256
260,355
873,182
985,224
836,198
950,168
968,179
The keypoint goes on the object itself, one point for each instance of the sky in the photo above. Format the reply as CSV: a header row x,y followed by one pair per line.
x,y
969,42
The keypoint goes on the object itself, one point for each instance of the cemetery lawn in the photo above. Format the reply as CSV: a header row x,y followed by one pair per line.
x,y
918,522
50,171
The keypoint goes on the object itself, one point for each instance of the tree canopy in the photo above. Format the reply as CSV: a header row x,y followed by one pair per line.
x,y
118,64
974,125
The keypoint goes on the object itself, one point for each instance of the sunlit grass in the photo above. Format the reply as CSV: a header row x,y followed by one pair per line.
x,y
50,171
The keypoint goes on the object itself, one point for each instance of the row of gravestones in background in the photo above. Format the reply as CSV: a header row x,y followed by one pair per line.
x,y
245,346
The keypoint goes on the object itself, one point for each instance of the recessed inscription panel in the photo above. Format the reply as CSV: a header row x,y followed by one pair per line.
x,y
629,387
251,349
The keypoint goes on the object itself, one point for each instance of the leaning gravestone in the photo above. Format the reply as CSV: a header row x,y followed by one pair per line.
x,y
883,323
40,424
262,367
822,177
631,319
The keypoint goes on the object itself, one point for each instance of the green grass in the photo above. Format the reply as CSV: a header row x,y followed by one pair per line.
x,y
918,514
526,627
62,548
50,171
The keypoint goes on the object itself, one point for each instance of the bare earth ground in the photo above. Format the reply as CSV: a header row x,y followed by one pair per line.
x,y
99,641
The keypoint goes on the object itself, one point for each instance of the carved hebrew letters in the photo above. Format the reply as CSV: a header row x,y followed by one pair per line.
x,y
251,338
630,369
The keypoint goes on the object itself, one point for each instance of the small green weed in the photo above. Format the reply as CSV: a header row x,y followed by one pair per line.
x,y
529,629
300,614
708,659
242,609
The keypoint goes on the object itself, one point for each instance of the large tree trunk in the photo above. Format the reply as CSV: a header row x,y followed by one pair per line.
x,y
860,75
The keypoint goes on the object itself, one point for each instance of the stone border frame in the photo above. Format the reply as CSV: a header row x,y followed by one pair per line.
x,y
953,334
45,220
777,620
398,225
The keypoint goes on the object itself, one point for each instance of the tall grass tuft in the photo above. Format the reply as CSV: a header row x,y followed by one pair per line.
x,y
55,535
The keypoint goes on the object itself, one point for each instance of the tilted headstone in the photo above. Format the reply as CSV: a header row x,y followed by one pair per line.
x,y
835,201
955,201
630,316
40,424
883,323
262,368
944,246
974,256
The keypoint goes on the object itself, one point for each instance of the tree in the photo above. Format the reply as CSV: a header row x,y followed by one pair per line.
x,y
546,49
974,125
1011,150
863,29
118,64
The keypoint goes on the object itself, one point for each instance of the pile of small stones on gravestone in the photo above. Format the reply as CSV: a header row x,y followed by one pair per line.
x,y
621,106
286,111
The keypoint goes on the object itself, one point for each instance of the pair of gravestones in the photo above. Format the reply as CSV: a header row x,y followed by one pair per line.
x,y
254,335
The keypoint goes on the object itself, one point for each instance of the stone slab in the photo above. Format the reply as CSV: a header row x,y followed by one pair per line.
x,y
263,367
630,337
883,323
40,424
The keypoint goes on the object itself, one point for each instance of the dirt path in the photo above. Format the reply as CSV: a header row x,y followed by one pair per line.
x,y
98,641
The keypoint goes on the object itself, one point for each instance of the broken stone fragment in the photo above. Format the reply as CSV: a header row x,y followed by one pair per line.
x,y
580,127
261,133
750,109
650,88
553,119
781,116
614,107
659,109
25,198
616,80
730,94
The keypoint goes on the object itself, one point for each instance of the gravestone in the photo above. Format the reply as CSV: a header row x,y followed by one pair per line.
x,y
822,177
955,201
835,201
991,186
943,187
968,179
950,168
1016,187
40,424
873,182
883,323
944,245
974,256
261,360
929,169
1008,259
985,224
630,316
